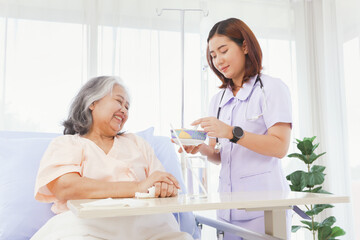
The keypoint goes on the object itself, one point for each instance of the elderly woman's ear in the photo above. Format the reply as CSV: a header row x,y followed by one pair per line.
x,y
92,106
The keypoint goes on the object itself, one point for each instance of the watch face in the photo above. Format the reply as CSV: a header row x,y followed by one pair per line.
x,y
238,132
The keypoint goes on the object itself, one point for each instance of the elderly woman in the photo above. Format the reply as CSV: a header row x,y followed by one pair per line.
x,y
94,160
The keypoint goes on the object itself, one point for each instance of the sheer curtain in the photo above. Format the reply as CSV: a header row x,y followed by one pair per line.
x,y
48,49
41,67
323,30
349,53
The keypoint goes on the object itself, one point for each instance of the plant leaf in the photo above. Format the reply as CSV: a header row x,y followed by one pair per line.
x,y
299,156
328,222
314,178
324,232
316,190
313,157
294,228
307,190
305,147
310,225
337,231
318,208
315,146
323,191
317,168
310,139
298,180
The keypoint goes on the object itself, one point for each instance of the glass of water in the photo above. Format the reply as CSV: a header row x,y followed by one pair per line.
x,y
197,176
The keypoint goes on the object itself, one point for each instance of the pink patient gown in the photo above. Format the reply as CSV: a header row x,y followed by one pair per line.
x,y
130,159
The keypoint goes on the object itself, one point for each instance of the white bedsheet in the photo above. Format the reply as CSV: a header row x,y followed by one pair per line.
x,y
66,226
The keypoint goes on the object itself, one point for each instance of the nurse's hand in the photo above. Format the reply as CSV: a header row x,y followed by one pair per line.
x,y
189,148
214,127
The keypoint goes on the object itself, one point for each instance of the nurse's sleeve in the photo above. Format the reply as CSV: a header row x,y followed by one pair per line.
x,y
278,100
62,156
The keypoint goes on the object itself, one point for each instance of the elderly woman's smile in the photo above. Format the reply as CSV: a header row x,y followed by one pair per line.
x,y
110,112
119,118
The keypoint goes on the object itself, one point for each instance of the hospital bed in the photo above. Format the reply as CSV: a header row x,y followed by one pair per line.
x,y
21,215
20,153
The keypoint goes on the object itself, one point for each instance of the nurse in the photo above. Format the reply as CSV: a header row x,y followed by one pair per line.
x,y
249,121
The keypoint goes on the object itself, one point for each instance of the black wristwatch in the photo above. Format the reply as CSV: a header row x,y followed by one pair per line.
x,y
237,134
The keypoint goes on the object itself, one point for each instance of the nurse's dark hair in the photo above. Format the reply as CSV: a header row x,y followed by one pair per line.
x,y
237,31
80,119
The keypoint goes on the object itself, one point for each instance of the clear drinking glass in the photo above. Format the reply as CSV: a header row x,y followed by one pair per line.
x,y
197,176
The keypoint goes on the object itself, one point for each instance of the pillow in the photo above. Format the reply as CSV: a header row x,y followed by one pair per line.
x,y
147,134
20,214
16,135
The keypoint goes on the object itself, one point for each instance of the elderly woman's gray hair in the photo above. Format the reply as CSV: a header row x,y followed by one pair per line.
x,y
80,118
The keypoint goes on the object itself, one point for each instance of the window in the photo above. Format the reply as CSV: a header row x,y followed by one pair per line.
x,y
44,69
149,63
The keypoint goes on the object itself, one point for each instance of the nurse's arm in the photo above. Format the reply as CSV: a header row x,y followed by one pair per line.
x,y
275,143
208,150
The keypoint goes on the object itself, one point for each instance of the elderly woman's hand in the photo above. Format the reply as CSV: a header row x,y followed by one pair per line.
x,y
165,190
165,184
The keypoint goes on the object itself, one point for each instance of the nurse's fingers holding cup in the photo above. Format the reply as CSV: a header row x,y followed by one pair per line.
x,y
198,121
206,122
213,126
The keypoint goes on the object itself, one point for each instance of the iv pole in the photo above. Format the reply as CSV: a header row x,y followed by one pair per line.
x,y
182,21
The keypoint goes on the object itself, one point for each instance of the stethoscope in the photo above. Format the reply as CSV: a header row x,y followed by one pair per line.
x,y
217,147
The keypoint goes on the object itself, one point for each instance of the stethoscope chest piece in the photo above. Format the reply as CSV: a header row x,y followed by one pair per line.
x,y
217,147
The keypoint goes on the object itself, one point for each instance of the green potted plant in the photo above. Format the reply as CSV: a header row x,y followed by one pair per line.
x,y
311,181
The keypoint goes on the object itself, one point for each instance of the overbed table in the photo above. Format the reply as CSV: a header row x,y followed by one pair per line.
x,y
274,204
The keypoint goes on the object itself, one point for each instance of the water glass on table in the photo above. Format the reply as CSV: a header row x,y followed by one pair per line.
x,y
197,176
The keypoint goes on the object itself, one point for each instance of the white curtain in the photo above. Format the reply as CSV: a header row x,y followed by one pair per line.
x,y
323,27
48,49
348,45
